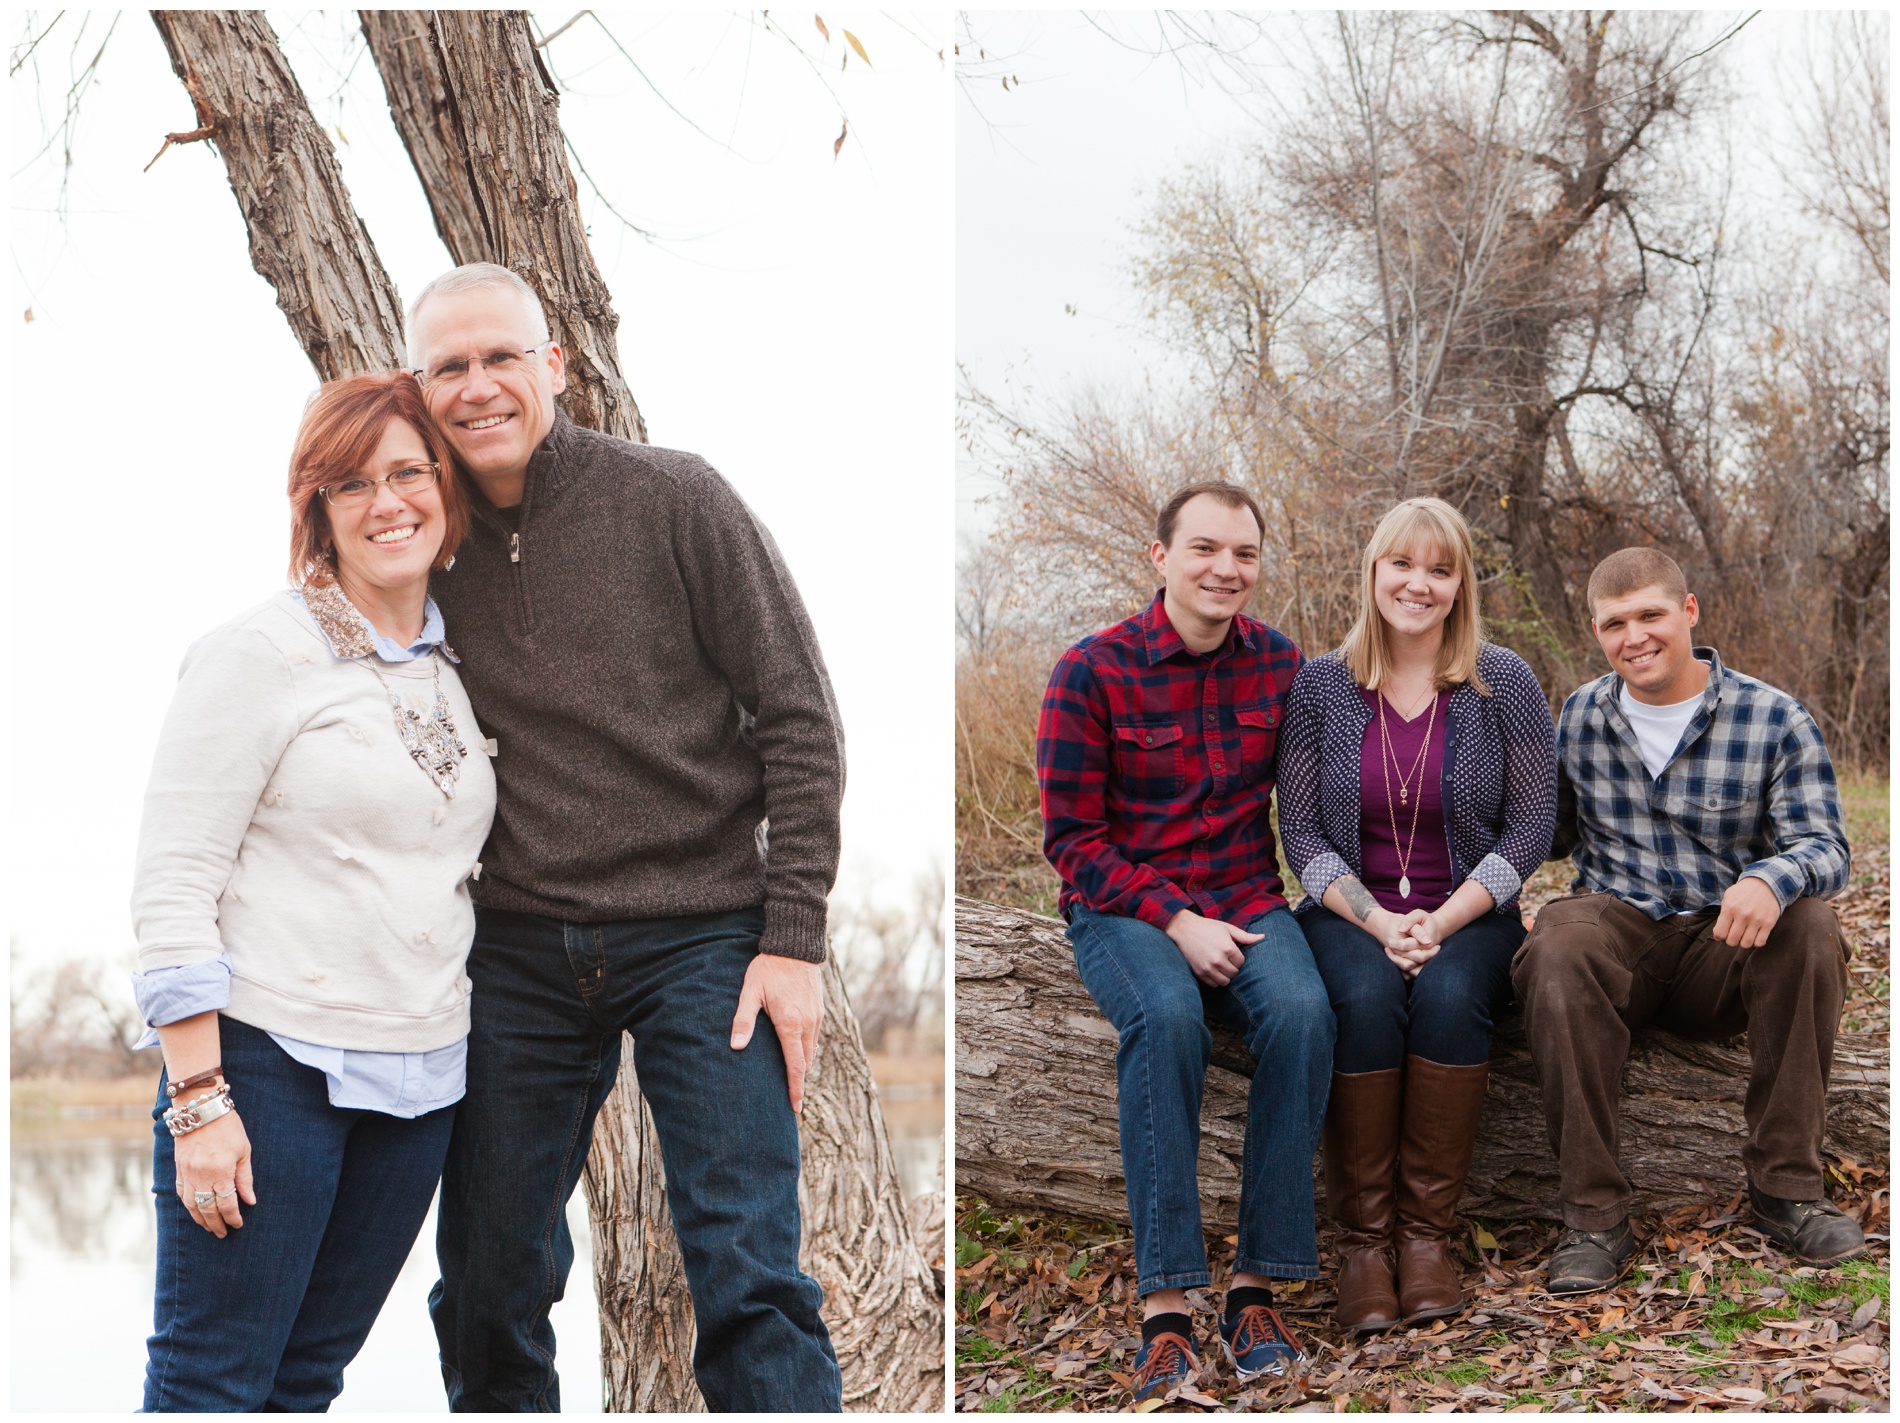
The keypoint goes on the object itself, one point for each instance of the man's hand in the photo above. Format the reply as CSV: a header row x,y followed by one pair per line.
x,y
792,994
1213,950
1749,912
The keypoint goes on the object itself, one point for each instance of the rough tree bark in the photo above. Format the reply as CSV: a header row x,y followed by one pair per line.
x,y
478,115
306,239
1036,1124
883,1303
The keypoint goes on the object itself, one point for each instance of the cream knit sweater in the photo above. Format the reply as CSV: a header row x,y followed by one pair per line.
x,y
287,826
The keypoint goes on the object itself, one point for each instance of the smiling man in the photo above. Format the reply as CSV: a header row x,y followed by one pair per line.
x,y
1155,756
636,647
1705,823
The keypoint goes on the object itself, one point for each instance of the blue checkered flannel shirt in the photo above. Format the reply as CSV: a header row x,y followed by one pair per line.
x,y
1749,791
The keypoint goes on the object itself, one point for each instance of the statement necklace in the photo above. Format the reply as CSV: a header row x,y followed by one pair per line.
x,y
1385,746
431,739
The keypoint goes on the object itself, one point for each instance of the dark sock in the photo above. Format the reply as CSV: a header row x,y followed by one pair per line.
x,y
1241,1296
1166,1324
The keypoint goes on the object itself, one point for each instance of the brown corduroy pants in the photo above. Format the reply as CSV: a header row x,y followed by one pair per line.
x,y
1594,970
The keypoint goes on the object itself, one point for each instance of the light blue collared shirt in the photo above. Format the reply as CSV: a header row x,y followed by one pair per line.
x,y
400,1084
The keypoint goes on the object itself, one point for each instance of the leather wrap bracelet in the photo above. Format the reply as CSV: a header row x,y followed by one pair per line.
x,y
175,1090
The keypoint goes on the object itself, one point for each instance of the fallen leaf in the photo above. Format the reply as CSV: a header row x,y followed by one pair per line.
x,y
853,41
1744,1395
1149,1405
1866,1312
1856,1356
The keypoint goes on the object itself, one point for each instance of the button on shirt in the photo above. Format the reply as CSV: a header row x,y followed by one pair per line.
x,y
1156,769
400,1084
1749,791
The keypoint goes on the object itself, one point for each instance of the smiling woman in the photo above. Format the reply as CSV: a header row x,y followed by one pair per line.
x,y
303,916
375,498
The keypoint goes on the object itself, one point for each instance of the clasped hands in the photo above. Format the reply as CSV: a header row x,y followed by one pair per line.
x,y
1410,940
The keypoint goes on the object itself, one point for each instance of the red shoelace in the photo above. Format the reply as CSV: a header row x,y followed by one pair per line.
x,y
1259,1324
1167,1355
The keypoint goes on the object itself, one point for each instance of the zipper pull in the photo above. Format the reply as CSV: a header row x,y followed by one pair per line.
x,y
514,548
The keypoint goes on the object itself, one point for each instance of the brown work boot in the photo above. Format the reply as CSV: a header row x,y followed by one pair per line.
x,y
1361,1145
1439,1124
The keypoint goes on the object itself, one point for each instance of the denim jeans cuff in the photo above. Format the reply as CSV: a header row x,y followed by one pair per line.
x,y
1274,1270
1181,1280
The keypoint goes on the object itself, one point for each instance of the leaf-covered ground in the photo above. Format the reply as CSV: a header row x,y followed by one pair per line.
x,y
1712,1317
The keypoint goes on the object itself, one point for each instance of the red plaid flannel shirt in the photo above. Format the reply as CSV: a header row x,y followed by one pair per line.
x,y
1156,766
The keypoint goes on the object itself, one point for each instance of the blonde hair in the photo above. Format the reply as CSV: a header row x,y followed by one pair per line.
x,y
1416,526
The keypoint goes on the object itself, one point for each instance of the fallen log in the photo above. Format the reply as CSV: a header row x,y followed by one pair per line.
x,y
1036,1112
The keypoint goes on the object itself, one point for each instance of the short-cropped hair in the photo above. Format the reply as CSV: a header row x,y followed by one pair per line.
x,y
342,426
1630,569
474,276
1232,495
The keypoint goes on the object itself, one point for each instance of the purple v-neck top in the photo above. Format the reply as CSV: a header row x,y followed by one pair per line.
x,y
1428,862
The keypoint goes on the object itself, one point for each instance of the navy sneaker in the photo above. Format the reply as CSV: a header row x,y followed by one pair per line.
x,y
1257,1341
1163,1362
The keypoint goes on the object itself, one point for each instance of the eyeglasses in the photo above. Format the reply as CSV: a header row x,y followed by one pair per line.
x,y
348,493
455,371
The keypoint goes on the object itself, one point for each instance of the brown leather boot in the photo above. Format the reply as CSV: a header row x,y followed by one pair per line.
x,y
1361,1141
1440,1123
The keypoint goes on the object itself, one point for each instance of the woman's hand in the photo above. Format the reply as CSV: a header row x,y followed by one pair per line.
x,y
215,1158
1393,931
1414,943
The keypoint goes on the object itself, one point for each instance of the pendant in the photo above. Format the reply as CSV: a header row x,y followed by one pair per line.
x,y
1405,887
1403,799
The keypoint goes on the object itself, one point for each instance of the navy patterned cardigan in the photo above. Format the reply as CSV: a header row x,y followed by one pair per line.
x,y
1499,785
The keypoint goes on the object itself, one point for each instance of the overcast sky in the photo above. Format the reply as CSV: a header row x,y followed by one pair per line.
x,y
792,325
1054,173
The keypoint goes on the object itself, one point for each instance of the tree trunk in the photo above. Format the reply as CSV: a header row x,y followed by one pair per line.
x,y
306,239
883,1304
1036,1113
479,114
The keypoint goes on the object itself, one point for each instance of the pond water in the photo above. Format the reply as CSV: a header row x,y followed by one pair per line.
x,y
81,1252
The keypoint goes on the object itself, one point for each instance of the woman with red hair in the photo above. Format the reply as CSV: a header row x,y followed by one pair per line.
x,y
312,820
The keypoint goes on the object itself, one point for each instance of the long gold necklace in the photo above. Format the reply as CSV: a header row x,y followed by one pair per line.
x,y
1387,754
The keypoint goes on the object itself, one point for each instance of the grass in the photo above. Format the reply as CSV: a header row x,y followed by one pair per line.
x,y
1864,804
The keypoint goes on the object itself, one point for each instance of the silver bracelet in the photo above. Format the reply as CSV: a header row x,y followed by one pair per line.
x,y
182,1120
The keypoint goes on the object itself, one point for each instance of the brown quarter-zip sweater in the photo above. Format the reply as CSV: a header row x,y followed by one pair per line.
x,y
637,649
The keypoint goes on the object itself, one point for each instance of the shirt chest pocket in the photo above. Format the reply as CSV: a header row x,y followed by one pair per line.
x,y
1149,759
1720,817
1259,738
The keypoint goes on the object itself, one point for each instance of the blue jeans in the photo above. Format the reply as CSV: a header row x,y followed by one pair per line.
x,y
1444,1015
551,1002
1143,986
266,1318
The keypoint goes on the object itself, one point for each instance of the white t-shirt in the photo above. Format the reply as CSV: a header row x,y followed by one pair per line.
x,y
1658,729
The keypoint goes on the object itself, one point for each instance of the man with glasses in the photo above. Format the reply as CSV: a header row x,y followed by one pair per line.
x,y
632,640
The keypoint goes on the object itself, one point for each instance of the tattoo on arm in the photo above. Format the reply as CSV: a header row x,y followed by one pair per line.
x,y
1358,898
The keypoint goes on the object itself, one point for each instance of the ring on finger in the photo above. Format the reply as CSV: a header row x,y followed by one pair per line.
x,y
226,1195
204,1200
